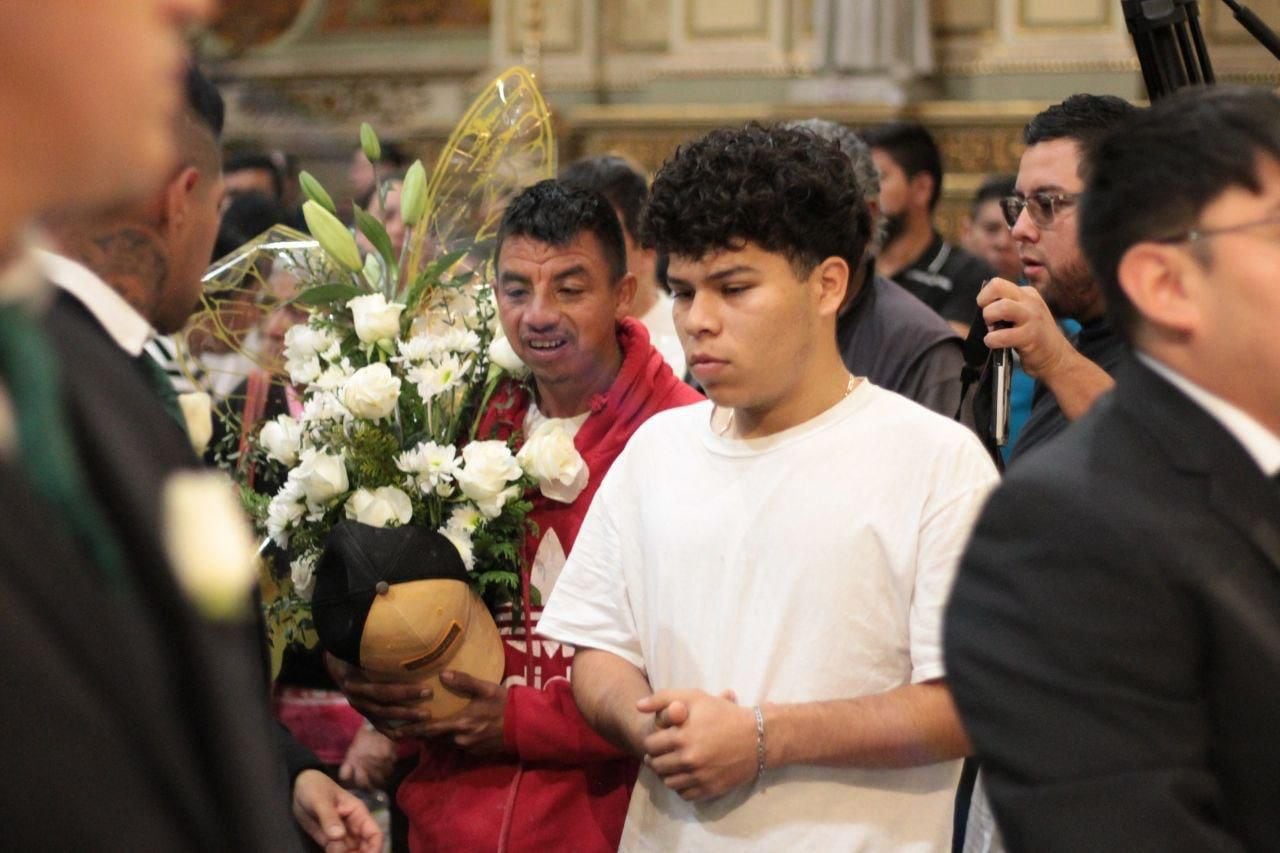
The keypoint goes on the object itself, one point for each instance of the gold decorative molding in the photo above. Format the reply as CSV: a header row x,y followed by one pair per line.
x,y
362,16
984,67
941,113
976,138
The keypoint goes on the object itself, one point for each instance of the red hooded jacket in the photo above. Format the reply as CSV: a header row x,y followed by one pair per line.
x,y
560,786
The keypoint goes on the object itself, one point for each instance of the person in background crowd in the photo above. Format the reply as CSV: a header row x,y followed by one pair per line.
x,y
626,188
914,254
885,333
1043,214
986,235
985,232
778,698
1113,639
519,769
253,172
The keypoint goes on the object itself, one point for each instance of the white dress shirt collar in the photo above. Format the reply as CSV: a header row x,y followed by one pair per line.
x,y
129,329
1261,443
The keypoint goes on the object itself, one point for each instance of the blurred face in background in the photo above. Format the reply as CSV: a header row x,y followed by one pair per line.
x,y
90,91
987,236
282,315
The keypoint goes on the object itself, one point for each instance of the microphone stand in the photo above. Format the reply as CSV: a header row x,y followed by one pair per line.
x,y
1256,27
1170,44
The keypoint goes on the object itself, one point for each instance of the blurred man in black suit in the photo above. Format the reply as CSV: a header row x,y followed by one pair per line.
x,y
135,721
124,274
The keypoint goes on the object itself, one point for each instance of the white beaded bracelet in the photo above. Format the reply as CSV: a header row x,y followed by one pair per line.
x,y
760,746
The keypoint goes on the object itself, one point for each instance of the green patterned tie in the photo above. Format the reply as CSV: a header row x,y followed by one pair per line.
x,y
162,385
29,369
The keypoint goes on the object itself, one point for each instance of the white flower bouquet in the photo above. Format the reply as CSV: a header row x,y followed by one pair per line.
x,y
395,362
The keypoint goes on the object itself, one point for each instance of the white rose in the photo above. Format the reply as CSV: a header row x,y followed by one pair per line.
x,y
386,506
304,371
302,572
431,466
197,412
322,476
301,342
487,469
375,318
371,392
461,540
209,543
504,355
285,511
281,439
550,458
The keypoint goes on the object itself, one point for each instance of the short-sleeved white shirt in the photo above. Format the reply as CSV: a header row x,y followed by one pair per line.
x,y
809,565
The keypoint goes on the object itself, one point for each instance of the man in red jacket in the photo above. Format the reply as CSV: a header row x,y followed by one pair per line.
x,y
520,769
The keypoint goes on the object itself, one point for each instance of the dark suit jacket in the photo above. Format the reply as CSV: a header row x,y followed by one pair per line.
x,y
134,723
1113,639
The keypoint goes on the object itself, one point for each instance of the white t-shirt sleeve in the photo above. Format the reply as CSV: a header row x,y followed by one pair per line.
x,y
591,605
963,485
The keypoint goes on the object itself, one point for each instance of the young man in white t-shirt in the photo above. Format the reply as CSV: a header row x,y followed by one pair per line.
x,y
756,591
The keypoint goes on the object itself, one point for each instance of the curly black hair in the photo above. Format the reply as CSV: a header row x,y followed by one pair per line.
x,y
784,189
556,212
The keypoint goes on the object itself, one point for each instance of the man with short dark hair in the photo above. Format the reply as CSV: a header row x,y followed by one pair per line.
x,y
885,333
787,546
1113,640
519,769
914,254
1043,214
986,234
252,172
626,188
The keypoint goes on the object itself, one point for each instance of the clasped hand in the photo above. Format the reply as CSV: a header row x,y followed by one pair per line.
x,y
701,746
398,710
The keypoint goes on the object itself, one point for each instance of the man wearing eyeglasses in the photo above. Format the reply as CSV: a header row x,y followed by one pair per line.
x,y
1117,667
1042,213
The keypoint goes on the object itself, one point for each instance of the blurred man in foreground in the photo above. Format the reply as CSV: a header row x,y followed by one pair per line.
x,y
1113,639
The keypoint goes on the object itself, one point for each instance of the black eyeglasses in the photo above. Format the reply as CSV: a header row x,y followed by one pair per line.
x,y
1193,234
1043,207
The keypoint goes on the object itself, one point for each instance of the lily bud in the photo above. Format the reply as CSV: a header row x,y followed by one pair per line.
x,y
369,142
312,189
332,236
413,194
373,270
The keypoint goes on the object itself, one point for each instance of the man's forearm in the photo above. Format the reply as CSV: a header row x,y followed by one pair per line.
x,y
908,726
606,689
1077,384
